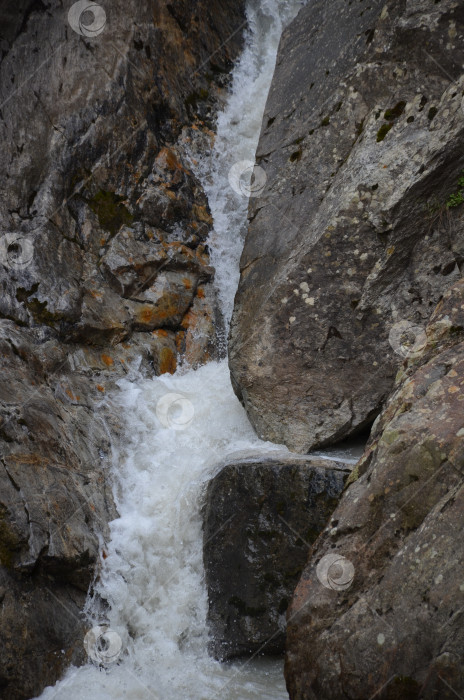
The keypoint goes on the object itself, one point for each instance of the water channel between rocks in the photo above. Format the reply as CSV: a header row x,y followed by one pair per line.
x,y
152,575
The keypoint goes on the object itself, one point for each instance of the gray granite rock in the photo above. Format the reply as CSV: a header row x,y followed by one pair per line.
x,y
261,516
394,628
362,145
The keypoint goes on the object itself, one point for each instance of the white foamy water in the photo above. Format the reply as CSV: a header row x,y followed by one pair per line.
x,y
152,575
238,133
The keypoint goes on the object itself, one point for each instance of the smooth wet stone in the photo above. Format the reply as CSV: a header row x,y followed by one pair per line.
x,y
261,516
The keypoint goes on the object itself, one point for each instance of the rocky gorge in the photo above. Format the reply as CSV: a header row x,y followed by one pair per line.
x,y
103,264
348,324
355,239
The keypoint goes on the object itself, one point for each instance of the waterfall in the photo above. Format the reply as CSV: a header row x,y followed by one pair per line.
x,y
179,428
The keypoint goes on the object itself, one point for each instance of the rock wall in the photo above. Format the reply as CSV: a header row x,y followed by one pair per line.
x,y
102,267
104,271
350,240
378,609
355,239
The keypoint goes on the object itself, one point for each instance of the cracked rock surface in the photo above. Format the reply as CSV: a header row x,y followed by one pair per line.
x,y
103,271
395,630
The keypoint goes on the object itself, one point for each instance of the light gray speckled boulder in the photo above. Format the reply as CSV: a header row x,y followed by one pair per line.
x,y
362,144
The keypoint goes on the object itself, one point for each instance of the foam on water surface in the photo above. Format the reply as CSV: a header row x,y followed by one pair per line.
x,y
152,576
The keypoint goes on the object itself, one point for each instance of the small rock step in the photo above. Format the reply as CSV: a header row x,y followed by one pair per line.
x,y
262,514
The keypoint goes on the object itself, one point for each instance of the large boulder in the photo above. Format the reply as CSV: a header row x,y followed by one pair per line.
x,y
103,274
362,146
378,609
261,516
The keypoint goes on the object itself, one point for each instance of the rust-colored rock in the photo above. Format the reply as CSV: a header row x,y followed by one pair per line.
x,y
197,343
95,183
165,302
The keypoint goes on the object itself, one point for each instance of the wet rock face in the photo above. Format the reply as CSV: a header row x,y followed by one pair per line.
x,y
362,146
260,518
99,199
103,272
55,502
395,628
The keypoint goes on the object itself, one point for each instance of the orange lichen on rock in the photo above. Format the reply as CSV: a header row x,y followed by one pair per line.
x,y
150,315
167,361
71,395
109,362
197,341
202,255
146,315
202,214
167,159
164,351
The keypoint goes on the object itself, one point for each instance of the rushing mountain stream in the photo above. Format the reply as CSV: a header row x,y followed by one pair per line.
x,y
179,428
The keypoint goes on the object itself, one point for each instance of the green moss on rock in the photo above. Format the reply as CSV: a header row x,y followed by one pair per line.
x,y
111,213
383,131
403,688
8,541
395,112
354,476
37,308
